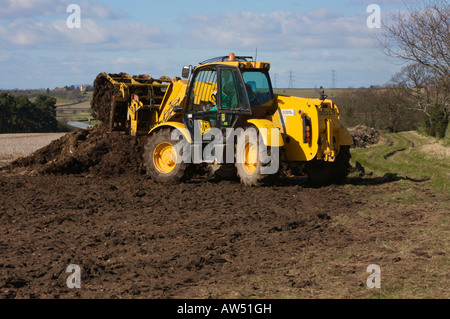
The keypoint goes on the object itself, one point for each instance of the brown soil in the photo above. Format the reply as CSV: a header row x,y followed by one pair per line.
x,y
105,91
85,151
84,200
102,98
133,238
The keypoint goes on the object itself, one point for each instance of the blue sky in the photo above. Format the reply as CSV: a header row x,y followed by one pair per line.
x,y
309,38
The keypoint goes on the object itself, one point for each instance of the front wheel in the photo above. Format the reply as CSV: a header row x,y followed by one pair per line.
x,y
322,173
162,159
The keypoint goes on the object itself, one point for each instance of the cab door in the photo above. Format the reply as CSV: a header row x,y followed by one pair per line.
x,y
216,97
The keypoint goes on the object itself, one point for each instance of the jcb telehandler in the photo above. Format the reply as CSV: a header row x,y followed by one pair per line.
x,y
225,114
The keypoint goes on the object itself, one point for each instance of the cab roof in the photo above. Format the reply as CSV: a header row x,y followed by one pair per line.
x,y
226,59
243,62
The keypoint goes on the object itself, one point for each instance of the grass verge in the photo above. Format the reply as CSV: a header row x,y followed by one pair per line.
x,y
408,155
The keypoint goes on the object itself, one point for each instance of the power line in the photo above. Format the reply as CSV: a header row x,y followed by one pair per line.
x,y
291,80
333,79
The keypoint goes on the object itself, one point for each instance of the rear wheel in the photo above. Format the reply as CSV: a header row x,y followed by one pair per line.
x,y
162,159
322,173
256,164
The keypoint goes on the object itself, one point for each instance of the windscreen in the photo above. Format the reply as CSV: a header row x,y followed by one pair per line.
x,y
258,87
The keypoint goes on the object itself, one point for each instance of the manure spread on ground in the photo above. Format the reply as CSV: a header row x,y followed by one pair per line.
x,y
364,136
92,150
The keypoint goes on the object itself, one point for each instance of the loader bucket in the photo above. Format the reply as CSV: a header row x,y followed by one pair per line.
x,y
113,94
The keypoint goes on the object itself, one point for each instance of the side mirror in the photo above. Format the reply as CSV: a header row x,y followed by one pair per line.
x,y
186,72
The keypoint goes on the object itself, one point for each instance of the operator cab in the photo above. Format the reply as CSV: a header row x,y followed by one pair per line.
x,y
220,93
215,99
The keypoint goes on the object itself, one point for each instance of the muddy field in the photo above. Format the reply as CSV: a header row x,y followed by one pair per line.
x,y
91,204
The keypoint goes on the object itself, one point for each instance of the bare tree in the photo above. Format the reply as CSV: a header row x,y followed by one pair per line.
x,y
422,87
421,35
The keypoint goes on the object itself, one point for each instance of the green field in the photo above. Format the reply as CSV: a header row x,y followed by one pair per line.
x,y
74,112
308,93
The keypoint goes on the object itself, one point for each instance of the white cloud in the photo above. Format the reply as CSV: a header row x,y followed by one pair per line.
x,y
312,43
13,9
112,35
90,33
276,31
387,3
57,70
19,9
129,61
92,9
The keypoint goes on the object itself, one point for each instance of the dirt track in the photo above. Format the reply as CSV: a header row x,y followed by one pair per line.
x,y
133,238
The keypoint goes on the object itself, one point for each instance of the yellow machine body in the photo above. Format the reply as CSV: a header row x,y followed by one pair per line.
x,y
325,134
305,129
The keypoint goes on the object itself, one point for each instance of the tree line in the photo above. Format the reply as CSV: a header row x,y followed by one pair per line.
x,y
414,99
18,114
68,93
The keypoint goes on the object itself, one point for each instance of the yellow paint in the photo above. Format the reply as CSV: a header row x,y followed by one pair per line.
x,y
133,116
176,125
165,157
205,126
329,152
289,117
250,157
270,132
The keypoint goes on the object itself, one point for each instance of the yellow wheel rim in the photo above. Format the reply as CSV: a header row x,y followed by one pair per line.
x,y
165,158
250,158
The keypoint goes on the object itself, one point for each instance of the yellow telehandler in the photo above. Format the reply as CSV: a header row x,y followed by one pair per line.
x,y
224,113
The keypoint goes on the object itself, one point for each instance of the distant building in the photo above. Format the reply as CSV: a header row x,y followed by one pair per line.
x,y
86,88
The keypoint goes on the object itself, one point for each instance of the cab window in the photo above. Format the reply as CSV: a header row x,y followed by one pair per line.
x,y
258,87
233,94
202,96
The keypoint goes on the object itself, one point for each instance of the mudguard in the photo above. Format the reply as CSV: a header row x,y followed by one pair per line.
x,y
266,128
179,126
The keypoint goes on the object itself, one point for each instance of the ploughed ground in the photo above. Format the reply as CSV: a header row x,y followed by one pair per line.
x,y
85,200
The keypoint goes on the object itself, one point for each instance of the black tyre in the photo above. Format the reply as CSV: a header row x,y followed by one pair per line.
x,y
322,173
162,159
